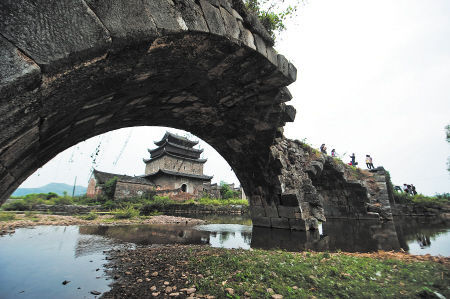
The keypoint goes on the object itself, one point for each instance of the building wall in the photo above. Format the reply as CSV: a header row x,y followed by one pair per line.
x,y
174,164
127,190
93,190
172,182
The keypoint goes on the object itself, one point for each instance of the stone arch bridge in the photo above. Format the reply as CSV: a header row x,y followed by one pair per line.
x,y
73,69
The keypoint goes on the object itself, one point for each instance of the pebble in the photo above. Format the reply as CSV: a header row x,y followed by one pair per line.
x,y
166,283
153,288
176,294
277,296
229,291
155,294
96,293
191,290
169,290
154,274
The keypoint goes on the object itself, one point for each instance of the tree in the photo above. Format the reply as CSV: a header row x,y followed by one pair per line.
x,y
226,192
273,13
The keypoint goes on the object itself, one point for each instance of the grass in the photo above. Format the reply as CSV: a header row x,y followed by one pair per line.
x,y
91,216
313,275
7,216
126,213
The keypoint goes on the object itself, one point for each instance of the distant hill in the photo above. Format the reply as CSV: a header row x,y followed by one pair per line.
x,y
57,188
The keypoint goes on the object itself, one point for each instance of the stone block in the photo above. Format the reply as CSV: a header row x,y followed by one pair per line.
x,y
231,25
127,19
271,210
292,72
19,73
272,55
257,211
246,36
56,37
312,198
297,224
260,45
312,224
289,199
261,221
213,18
227,5
289,212
284,95
192,16
20,147
280,222
289,113
283,65
255,200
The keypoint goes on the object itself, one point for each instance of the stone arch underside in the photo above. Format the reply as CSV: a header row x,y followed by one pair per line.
x,y
74,69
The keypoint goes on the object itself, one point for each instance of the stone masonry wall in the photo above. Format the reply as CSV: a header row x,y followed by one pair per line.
x,y
174,164
130,190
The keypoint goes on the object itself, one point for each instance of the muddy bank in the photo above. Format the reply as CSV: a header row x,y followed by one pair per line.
x,y
23,220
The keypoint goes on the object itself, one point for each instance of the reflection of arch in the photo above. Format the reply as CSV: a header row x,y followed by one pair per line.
x,y
197,67
183,188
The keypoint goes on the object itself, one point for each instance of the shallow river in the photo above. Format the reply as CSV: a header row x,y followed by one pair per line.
x,y
34,262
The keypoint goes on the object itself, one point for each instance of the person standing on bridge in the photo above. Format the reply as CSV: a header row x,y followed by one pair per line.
x,y
369,163
333,153
353,161
323,149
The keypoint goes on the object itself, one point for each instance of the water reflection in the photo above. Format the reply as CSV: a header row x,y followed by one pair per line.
x,y
35,261
424,235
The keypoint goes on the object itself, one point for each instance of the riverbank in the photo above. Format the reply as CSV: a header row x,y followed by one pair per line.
x,y
33,219
204,272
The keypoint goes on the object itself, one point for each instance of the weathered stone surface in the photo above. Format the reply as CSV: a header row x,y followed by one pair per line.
x,y
53,34
280,222
126,20
213,18
19,73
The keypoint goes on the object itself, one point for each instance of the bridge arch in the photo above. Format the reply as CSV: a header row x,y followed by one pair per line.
x,y
74,69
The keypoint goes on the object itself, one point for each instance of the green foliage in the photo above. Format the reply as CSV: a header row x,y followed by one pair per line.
x,y
125,213
312,275
226,192
422,200
65,200
272,13
91,216
109,188
7,216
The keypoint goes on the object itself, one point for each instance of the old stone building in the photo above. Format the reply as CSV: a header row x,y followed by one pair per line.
x,y
176,164
125,186
174,169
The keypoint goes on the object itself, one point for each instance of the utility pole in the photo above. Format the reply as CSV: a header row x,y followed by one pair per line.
x,y
74,184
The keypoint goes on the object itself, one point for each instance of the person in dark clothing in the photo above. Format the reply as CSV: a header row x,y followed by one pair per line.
x,y
413,189
353,160
323,149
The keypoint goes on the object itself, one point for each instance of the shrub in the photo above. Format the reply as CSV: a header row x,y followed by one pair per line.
x,y
91,216
7,216
63,200
125,213
17,205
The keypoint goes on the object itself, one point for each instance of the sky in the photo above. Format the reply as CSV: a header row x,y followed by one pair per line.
x,y
373,78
